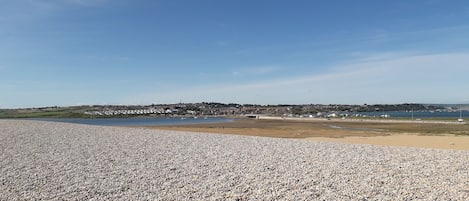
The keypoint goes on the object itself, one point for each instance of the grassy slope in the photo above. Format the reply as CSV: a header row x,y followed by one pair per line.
x,y
68,112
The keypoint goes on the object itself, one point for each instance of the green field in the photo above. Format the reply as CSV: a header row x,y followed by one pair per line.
x,y
50,112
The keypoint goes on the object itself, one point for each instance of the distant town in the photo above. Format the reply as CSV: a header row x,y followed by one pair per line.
x,y
220,109
206,109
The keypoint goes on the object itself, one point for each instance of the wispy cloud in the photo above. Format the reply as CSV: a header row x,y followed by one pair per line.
x,y
367,56
109,58
365,41
258,70
222,43
412,78
87,2
20,10
435,30
380,36
14,10
431,2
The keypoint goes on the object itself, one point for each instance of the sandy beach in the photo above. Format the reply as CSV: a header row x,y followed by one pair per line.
x,y
427,135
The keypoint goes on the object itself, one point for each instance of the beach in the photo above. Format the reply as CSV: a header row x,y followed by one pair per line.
x,y
62,161
426,134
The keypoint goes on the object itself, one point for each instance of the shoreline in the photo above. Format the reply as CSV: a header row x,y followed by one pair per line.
x,y
360,120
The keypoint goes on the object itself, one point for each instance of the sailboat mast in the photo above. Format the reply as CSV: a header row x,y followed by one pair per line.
x,y
460,112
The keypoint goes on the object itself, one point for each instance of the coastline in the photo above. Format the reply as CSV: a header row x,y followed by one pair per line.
x,y
361,120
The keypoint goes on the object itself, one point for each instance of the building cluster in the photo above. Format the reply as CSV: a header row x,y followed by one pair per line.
x,y
220,109
110,112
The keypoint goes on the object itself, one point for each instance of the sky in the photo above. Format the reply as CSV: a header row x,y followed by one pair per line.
x,y
81,52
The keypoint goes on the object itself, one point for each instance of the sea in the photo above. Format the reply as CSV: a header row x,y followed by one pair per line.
x,y
140,121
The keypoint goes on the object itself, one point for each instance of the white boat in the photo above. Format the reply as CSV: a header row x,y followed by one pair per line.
x,y
460,115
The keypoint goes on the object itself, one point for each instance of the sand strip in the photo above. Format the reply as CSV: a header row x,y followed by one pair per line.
x,y
441,136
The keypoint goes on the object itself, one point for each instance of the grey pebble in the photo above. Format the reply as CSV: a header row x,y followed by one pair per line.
x,y
59,161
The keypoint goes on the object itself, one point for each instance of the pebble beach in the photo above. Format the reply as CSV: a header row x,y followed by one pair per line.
x,y
61,161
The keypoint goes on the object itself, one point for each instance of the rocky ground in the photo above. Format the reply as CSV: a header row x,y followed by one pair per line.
x,y
58,161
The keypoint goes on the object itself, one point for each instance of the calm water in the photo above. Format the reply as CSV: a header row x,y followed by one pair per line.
x,y
422,115
141,121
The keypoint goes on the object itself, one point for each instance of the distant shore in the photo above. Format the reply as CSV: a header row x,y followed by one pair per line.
x,y
370,120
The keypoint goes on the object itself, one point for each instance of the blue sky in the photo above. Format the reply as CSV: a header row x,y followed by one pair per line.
x,y
74,52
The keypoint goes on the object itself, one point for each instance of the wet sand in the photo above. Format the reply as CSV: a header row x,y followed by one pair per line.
x,y
428,135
